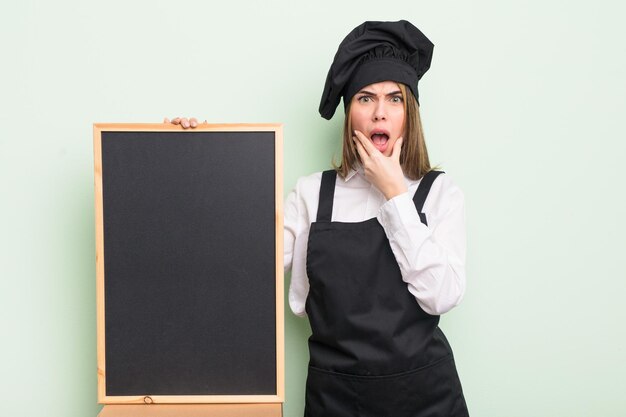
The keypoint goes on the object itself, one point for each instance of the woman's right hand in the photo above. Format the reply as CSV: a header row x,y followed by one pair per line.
x,y
184,122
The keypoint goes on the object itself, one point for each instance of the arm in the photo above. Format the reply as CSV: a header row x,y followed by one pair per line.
x,y
295,236
290,224
431,258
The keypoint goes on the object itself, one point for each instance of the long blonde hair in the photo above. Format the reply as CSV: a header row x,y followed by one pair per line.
x,y
414,155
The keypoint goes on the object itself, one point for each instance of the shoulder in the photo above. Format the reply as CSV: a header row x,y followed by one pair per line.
x,y
309,184
446,186
445,195
305,196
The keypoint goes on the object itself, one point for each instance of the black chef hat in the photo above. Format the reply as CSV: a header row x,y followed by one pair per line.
x,y
375,52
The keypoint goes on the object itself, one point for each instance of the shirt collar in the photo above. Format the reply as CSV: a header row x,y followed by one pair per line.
x,y
353,172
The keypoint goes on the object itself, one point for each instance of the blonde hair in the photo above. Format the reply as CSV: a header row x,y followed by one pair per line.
x,y
414,155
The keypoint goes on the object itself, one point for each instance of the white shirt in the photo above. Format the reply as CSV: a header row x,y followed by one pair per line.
x,y
431,258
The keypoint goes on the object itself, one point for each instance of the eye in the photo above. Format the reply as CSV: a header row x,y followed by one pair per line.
x,y
396,99
364,99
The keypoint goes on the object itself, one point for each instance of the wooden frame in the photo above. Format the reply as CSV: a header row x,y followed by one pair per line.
x,y
100,273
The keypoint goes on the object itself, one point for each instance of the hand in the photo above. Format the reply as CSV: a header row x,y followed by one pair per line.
x,y
383,171
184,122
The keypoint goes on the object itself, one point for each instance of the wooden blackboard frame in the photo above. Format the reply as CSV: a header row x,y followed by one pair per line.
x,y
103,398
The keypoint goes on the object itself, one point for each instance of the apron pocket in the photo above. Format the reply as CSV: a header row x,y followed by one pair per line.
x,y
329,394
434,391
381,396
431,391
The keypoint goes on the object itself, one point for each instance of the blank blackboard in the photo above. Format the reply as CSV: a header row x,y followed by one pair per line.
x,y
190,262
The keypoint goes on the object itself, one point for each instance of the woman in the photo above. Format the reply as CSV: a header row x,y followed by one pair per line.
x,y
377,246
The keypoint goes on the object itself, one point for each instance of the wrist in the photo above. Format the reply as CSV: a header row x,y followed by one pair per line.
x,y
395,191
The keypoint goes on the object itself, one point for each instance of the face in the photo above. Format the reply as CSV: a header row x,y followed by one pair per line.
x,y
377,111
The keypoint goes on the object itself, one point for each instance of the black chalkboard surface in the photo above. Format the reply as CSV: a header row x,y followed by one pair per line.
x,y
189,262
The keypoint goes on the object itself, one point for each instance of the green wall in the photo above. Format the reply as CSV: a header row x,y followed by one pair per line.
x,y
522,107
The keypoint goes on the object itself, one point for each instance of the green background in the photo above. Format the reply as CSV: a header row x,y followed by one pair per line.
x,y
523,107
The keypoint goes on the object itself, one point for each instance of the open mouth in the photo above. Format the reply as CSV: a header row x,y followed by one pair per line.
x,y
380,139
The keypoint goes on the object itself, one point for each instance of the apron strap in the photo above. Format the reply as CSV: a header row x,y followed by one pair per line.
x,y
327,194
422,192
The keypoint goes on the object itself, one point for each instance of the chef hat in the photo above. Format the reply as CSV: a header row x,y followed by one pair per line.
x,y
375,52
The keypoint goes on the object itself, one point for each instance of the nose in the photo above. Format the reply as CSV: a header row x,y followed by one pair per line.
x,y
380,112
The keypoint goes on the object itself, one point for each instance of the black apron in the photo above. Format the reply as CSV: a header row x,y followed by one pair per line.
x,y
373,351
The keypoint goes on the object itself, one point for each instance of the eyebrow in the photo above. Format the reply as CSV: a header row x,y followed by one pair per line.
x,y
393,93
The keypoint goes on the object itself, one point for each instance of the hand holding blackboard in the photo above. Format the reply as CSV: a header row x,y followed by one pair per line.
x,y
183,121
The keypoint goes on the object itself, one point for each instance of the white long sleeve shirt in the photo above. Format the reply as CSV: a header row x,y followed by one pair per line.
x,y
431,258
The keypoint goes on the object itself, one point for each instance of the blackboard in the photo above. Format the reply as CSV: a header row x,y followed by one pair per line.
x,y
189,261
